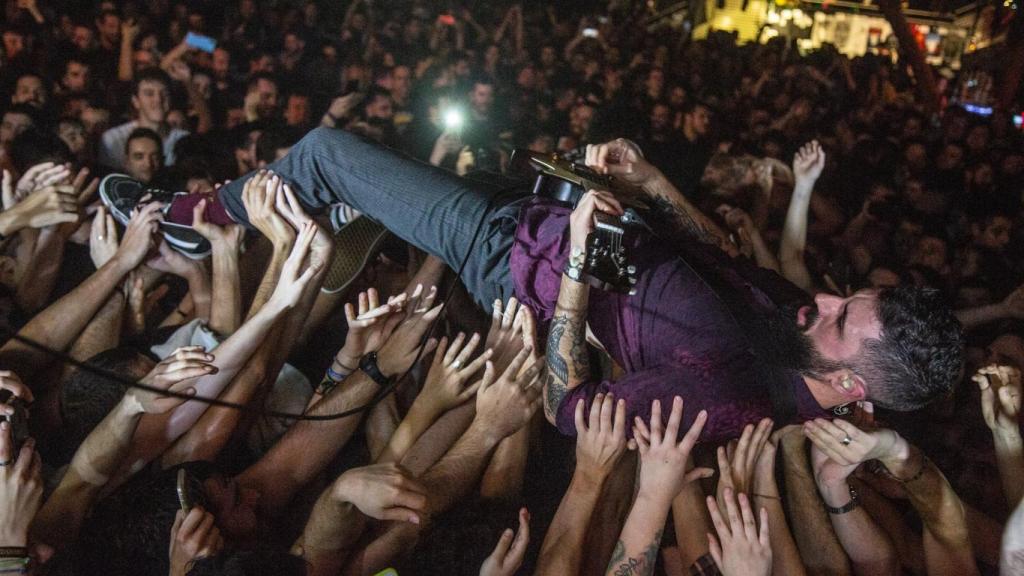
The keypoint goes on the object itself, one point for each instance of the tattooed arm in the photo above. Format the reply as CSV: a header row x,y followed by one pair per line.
x,y
566,360
670,211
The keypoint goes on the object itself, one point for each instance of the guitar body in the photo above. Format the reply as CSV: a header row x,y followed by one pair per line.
x,y
607,259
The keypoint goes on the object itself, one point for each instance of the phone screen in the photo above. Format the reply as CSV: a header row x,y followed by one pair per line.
x,y
200,42
590,32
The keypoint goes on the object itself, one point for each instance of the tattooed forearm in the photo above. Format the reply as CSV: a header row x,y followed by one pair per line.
x,y
641,565
566,358
669,215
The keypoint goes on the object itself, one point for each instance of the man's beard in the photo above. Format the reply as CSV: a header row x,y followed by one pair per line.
x,y
783,343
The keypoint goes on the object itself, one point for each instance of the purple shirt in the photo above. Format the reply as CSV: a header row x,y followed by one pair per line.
x,y
673,337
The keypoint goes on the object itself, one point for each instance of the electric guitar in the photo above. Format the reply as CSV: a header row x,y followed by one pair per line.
x,y
607,258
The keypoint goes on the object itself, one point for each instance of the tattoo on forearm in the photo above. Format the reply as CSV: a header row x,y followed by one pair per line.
x,y
642,565
557,365
555,392
671,216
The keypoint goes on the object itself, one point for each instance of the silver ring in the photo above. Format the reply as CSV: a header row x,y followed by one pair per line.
x,y
456,364
846,440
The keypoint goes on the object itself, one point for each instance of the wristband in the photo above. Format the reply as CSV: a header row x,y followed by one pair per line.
x,y
325,386
13,552
368,364
848,507
334,376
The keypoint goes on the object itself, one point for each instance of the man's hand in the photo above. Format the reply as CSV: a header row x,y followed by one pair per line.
x,y
808,162
294,279
506,403
37,178
48,206
738,463
138,235
445,386
847,445
403,346
194,535
601,442
830,476
512,328
1000,399
581,222
170,261
509,552
21,488
621,158
227,238
369,326
173,374
288,206
259,205
740,549
12,383
663,460
384,492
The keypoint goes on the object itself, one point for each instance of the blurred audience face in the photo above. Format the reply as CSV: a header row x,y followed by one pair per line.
x,y
152,102
994,234
698,122
72,132
76,77
29,90
481,99
143,159
296,111
13,123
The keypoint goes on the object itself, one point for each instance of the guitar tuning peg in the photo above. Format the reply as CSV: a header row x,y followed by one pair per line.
x,y
631,269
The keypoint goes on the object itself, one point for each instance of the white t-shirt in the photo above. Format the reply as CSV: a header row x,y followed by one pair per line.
x,y
111,152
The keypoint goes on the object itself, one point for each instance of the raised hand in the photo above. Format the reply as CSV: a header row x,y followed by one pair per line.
x,y
809,161
12,383
508,554
740,549
738,463
1013,304
846,444
48,206
830,476
506,403
512,329
601,440
663,459
173,374
138,235
194,535
369,326
581,221
287,204
21,488
403,346
621,158
259,205
445,387
383,491
170,261
1000,399
293,279
221,237
38,177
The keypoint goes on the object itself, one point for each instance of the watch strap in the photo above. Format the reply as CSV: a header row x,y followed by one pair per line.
x,y
848,507
368,364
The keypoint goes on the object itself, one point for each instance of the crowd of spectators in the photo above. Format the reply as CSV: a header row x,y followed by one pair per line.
x,y
824,168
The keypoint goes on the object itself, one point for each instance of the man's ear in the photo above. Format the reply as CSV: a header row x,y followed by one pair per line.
x,y
848,385
136,103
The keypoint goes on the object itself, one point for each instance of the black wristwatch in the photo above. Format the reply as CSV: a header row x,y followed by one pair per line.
x,y
368,364
849,506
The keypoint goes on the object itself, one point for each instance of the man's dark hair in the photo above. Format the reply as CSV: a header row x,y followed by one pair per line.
x,y
130,532
920,354
691,104
140,133
273,140
35,146
28,110
87,397
150,75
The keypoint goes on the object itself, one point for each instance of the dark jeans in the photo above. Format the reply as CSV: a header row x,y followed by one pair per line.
x,y
426,206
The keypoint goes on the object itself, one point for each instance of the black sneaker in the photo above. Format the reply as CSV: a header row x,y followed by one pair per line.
x,y
355,246
121,194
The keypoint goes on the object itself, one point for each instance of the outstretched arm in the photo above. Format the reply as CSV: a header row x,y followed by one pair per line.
x,y
566,359
807,166
622,159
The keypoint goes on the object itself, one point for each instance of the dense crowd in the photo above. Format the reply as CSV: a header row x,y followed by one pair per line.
x,y
434,456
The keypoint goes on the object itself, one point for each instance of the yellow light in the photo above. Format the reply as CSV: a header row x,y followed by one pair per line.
x,y
787,14
798,13
725,22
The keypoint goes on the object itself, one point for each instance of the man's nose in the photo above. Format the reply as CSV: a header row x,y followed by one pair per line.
x,y
827,303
